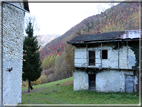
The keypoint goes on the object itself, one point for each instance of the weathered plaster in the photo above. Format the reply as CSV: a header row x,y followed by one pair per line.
x,y
113,80
80,57
127,57
106,80
80,80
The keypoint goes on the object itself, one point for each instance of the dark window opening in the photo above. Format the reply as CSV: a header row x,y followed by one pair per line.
x,y
91,58
104,54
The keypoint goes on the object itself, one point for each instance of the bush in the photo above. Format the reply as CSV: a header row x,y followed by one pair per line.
x,y
24,84
43,79
37,82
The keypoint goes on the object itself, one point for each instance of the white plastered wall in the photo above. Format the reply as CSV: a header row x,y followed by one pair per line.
x,y
80,80
126,57
113,80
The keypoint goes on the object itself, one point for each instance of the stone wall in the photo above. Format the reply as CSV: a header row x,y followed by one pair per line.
x,y
13,33
80,80
113,80
0,61
126,57
106,80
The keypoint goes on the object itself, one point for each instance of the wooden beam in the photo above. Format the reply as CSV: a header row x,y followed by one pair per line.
x,y
118,54
87,55
101,55
127,54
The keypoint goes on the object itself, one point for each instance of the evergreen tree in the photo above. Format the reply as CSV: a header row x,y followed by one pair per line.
x,y
31,57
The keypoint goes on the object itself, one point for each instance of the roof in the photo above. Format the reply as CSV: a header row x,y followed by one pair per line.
x,y
26,5
117,35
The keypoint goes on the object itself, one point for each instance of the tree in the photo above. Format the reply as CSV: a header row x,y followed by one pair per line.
x,y
69,57
33,20
31,57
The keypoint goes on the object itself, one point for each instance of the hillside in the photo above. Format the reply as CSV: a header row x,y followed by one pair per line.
x,y
124,16
44,39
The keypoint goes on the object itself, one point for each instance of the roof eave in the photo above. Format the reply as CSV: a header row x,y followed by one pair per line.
x,y
26,5
116,40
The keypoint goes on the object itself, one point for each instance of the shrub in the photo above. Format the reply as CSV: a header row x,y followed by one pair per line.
x,y
37,82
24,84
43,79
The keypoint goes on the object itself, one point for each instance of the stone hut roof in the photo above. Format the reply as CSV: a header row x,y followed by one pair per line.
x,y
117,35
26,5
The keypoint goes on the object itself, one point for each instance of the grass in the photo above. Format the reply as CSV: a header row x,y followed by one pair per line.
x,y
61,92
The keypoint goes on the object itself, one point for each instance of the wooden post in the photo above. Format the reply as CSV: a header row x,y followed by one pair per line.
x,y
118,55
87,60
127,54
73,55
101,55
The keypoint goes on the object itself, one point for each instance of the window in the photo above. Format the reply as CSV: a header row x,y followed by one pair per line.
x,y
104,54
91,58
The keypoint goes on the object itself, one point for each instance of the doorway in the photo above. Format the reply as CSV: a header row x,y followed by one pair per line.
x,y
92,81
129,83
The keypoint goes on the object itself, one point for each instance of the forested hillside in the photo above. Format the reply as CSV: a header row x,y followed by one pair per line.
x,y
44,39
57,56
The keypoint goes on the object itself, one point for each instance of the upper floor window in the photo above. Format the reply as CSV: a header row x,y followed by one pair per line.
x,y
104,54
91,58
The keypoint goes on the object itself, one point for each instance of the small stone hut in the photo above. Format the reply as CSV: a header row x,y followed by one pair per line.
x,y
106,61
11,50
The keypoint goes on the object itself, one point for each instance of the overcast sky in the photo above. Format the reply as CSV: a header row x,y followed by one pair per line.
x,y
57,18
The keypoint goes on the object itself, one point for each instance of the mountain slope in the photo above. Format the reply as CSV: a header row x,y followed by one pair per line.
x,y
44,39
124,16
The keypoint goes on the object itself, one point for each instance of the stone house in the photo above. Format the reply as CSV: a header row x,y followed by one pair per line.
x,y
106,61
11,50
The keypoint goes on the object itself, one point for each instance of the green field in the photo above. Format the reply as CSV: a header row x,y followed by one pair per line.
x,y
61,92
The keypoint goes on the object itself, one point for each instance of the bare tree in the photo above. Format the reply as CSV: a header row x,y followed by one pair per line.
x,y
33,20
91,22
